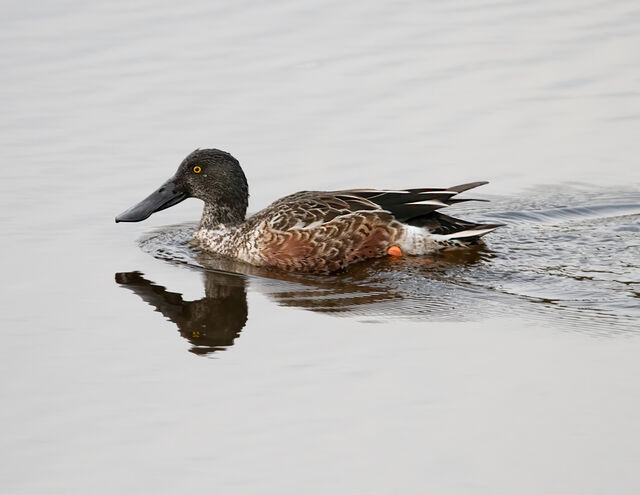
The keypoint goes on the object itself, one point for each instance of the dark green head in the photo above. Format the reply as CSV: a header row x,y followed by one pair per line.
x,y
211,175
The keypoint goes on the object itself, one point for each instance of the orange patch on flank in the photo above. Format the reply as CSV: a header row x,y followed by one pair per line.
x,y
394,251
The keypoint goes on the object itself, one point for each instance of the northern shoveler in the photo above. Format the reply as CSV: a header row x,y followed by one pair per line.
x,y
311,231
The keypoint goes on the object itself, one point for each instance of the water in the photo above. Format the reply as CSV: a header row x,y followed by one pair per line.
x,y
132,362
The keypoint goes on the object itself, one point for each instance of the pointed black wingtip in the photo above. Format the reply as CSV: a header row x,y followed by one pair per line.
x,y
465,187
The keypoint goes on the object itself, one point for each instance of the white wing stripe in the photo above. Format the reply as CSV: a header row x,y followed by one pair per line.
x,y
435,202
468,233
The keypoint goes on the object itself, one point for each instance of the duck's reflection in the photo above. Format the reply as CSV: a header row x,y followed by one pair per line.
x,y
413,287
210,324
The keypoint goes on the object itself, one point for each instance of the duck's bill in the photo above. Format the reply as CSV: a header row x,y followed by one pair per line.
x,y
164,197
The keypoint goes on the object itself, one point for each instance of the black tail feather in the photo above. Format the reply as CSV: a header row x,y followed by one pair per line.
x,y
465,187
418,207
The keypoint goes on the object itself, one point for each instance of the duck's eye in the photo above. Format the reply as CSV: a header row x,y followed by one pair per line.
x,y
197,169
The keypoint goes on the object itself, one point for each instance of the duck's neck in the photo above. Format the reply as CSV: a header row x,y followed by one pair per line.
x,y
214,216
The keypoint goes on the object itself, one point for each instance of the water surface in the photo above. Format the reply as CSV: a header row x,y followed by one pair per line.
x,y
132,362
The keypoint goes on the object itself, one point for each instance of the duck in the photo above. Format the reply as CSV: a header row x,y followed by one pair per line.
x,y
310,231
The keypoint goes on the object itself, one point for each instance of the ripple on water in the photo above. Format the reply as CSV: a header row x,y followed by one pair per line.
x,y
568,255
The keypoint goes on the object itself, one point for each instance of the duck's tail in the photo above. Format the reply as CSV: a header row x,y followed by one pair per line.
x,y
418,208
448,228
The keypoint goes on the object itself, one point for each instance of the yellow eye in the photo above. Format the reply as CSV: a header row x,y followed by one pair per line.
x,y
197,169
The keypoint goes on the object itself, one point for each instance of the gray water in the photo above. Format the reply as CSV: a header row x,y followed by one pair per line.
x,y
133,363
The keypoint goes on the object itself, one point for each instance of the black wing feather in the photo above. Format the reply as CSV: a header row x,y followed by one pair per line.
x,y
411,204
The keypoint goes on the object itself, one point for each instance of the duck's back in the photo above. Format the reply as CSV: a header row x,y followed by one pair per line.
x,y
317,231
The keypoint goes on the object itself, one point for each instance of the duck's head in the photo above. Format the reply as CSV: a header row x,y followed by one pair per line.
x,y
213,176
